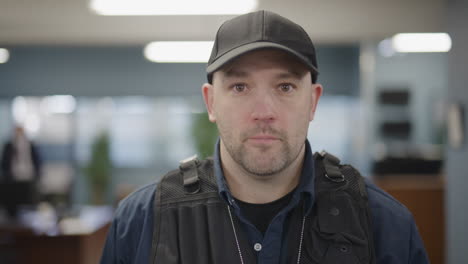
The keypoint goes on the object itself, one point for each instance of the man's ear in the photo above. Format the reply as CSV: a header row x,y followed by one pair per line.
x,y
208,97
317,90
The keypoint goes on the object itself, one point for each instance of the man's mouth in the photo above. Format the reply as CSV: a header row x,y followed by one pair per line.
x,y
263,139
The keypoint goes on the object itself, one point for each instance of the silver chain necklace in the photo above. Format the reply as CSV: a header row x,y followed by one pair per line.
x,y
238,245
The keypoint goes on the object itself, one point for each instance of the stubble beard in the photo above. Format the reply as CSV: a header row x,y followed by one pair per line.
x,y
260,161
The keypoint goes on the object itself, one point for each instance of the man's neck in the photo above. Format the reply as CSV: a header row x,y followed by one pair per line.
x,y
258,189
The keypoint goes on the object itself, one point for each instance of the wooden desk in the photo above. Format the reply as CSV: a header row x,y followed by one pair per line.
x,y
21,246
76,240
424,197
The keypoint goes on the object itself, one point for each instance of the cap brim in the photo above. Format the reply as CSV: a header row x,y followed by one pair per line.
x,y
239,51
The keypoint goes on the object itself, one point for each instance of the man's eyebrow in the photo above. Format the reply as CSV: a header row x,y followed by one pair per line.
x,y
291,74
235,73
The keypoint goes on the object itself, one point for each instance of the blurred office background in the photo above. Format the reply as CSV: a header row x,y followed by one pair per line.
x,y
107,119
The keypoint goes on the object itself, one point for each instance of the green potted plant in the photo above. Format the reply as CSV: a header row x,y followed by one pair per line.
x,y
99,168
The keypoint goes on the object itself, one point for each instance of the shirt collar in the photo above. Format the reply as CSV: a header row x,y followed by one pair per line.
x,y
306,187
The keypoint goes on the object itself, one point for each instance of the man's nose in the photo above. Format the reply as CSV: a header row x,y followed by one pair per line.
x,y
263,108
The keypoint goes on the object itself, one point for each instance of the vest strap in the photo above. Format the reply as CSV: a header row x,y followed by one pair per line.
x,y
188,168
332,169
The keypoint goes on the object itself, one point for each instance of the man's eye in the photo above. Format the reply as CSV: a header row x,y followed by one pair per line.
x,y
286,87
239,87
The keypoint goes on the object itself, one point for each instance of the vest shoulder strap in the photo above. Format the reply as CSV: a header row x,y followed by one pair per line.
x,y
331,169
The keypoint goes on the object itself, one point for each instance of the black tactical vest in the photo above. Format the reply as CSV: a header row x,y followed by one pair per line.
x,y
193,225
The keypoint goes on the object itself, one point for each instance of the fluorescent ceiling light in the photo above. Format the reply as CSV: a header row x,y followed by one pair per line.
x,y
171,7
421,42
4,55
178,51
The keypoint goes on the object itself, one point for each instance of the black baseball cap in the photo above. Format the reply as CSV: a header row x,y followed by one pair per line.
x,y
260,30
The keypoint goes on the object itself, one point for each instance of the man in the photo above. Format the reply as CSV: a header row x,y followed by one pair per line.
x,y
20,172
20,159
264,197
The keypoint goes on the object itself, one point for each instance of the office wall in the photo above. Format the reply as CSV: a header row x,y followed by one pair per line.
x,y
457,178
94,71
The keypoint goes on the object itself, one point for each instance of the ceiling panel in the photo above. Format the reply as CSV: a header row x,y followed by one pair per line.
x,y
70,22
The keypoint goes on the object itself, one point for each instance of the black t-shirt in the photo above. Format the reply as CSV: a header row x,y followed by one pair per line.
x,y
261,215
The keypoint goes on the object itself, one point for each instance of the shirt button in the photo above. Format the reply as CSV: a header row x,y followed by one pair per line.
x,y
258,246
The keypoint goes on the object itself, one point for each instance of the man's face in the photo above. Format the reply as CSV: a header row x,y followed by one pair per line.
x,y
262,103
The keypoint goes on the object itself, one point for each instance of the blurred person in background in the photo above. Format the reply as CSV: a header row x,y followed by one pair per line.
x,y
264,197
20,170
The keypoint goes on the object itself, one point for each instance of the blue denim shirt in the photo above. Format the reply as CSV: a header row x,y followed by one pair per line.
x,y
396,237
